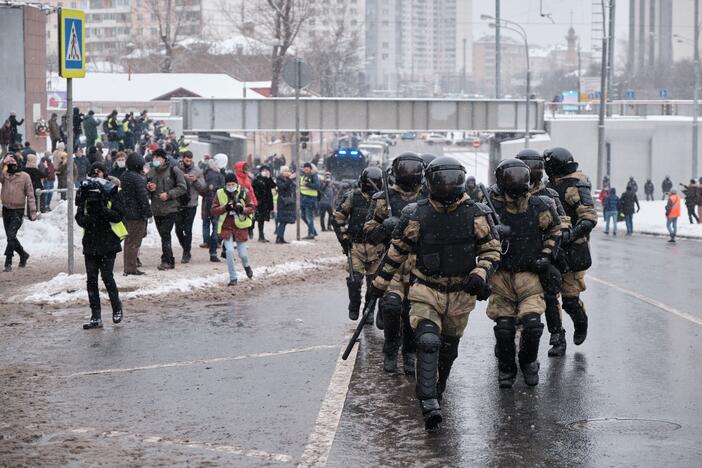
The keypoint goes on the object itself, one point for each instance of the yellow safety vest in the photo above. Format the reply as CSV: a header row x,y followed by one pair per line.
x,y
240,221
119,229
304,190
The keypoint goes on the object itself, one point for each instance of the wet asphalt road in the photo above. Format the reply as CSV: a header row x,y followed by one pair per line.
x,y
636,378
242,385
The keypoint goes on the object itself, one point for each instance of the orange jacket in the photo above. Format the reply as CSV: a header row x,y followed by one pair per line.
x,y
672,209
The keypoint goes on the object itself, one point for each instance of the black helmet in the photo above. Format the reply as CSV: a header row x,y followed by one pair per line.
x,y
535,161
371,180
445,178
407,169
559,162
427,158
471,182
512,177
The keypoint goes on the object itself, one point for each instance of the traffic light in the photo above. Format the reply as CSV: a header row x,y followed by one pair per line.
x,y
304,139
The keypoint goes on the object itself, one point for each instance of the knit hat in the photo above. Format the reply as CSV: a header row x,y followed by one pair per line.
x,y
229,177
97,165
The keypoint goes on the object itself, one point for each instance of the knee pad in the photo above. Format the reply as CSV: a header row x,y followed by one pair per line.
x,y
391,304
427,337
532,326
449,347
505,327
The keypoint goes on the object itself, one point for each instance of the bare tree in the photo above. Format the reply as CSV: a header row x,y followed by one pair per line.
x,y
170,16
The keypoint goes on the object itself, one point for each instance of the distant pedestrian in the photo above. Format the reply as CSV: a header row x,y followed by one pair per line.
x,y
82,166
309,190
27,150
100,213
263,186
62,172
285,209
137,211
690,192
632,185
15,135
119,166
54,131
214,180
672,213
629,206
666,186
327,193
77,127
611,206
234,208
90,126
166,184
49,181
17,193
5,138
189,203
36,175
648,189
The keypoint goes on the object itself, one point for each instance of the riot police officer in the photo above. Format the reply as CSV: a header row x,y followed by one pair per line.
x,y
550,279
407,172
349,218
532,228
574,190
472,189
456,251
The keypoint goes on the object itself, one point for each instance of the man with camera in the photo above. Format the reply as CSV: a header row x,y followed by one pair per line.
x,y
100,214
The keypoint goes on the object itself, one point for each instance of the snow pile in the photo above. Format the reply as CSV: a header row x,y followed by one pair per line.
x,y
651,220
64,288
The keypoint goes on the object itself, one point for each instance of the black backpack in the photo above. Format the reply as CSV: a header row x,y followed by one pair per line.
x,y
184,199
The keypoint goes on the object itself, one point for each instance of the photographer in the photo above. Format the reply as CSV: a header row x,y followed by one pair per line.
x,y
234,207
100,213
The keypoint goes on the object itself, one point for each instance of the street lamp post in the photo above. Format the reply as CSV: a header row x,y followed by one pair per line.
x,y
696,91
517,28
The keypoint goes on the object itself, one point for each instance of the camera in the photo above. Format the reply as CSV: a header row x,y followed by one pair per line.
x,y
94,189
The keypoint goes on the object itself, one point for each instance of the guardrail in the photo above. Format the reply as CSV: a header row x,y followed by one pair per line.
x,y
623,108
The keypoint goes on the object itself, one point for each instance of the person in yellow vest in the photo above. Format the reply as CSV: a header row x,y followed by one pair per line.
x,y
100,213
234,208
309,194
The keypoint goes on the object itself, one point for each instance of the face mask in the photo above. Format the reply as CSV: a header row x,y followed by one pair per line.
x,y
156,163
121,163
12,168
231,188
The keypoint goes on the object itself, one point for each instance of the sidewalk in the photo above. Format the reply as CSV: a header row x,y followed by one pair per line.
x,y
651,220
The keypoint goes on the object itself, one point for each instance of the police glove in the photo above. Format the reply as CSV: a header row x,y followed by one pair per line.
x,y
375,292
345,246
551,279
476,285
541,264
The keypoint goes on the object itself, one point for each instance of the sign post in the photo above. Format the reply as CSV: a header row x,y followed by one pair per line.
x,y
71,35
476,145
297,74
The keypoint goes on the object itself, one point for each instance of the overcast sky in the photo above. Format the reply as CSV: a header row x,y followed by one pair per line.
x,y
541,31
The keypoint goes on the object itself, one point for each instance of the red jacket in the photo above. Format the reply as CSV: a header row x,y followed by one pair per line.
x,y
244,180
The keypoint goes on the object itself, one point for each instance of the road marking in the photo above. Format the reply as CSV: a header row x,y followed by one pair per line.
x,y
228,449
649,300
200,361
322,437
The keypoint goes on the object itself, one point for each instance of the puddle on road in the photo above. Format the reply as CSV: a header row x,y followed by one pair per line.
x,y
624,425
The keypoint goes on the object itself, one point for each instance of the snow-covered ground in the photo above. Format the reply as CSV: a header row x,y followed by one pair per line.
x,y
651,220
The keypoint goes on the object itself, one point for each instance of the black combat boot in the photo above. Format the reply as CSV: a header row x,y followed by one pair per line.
x,y
391,308
24,256
428,344
117,315
8,264
576,310
353,283
447,354
532,328
186,257
95,321
505,330
555,326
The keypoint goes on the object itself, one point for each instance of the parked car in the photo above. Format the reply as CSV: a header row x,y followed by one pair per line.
x,y
408,136
437,138
467,140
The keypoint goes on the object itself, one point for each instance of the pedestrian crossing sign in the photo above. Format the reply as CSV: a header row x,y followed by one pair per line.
x,y
71,43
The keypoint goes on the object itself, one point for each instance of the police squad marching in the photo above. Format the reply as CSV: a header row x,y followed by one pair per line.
x,y
428,243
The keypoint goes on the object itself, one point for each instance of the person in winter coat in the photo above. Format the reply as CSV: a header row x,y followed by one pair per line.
x,y
629,201
82,164
326,202
285,210
632,184
100,213
5,137
690,192
137,211
62,172
309,189
234,208
611,207
54,131
119,165
15,136
648,189
90,127
36,175
77,127
672,213
166,184
214,180
49,181
666,186
16,194
263,186
186,213
112,130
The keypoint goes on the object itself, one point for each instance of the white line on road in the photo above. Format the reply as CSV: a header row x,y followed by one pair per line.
x,y
322,437
200,361
229,449
649,300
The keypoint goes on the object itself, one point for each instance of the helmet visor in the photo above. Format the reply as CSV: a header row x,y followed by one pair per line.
x,y
408,173
446,185
514,181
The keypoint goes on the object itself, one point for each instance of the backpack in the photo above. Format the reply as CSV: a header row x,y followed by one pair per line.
x,y
184,199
